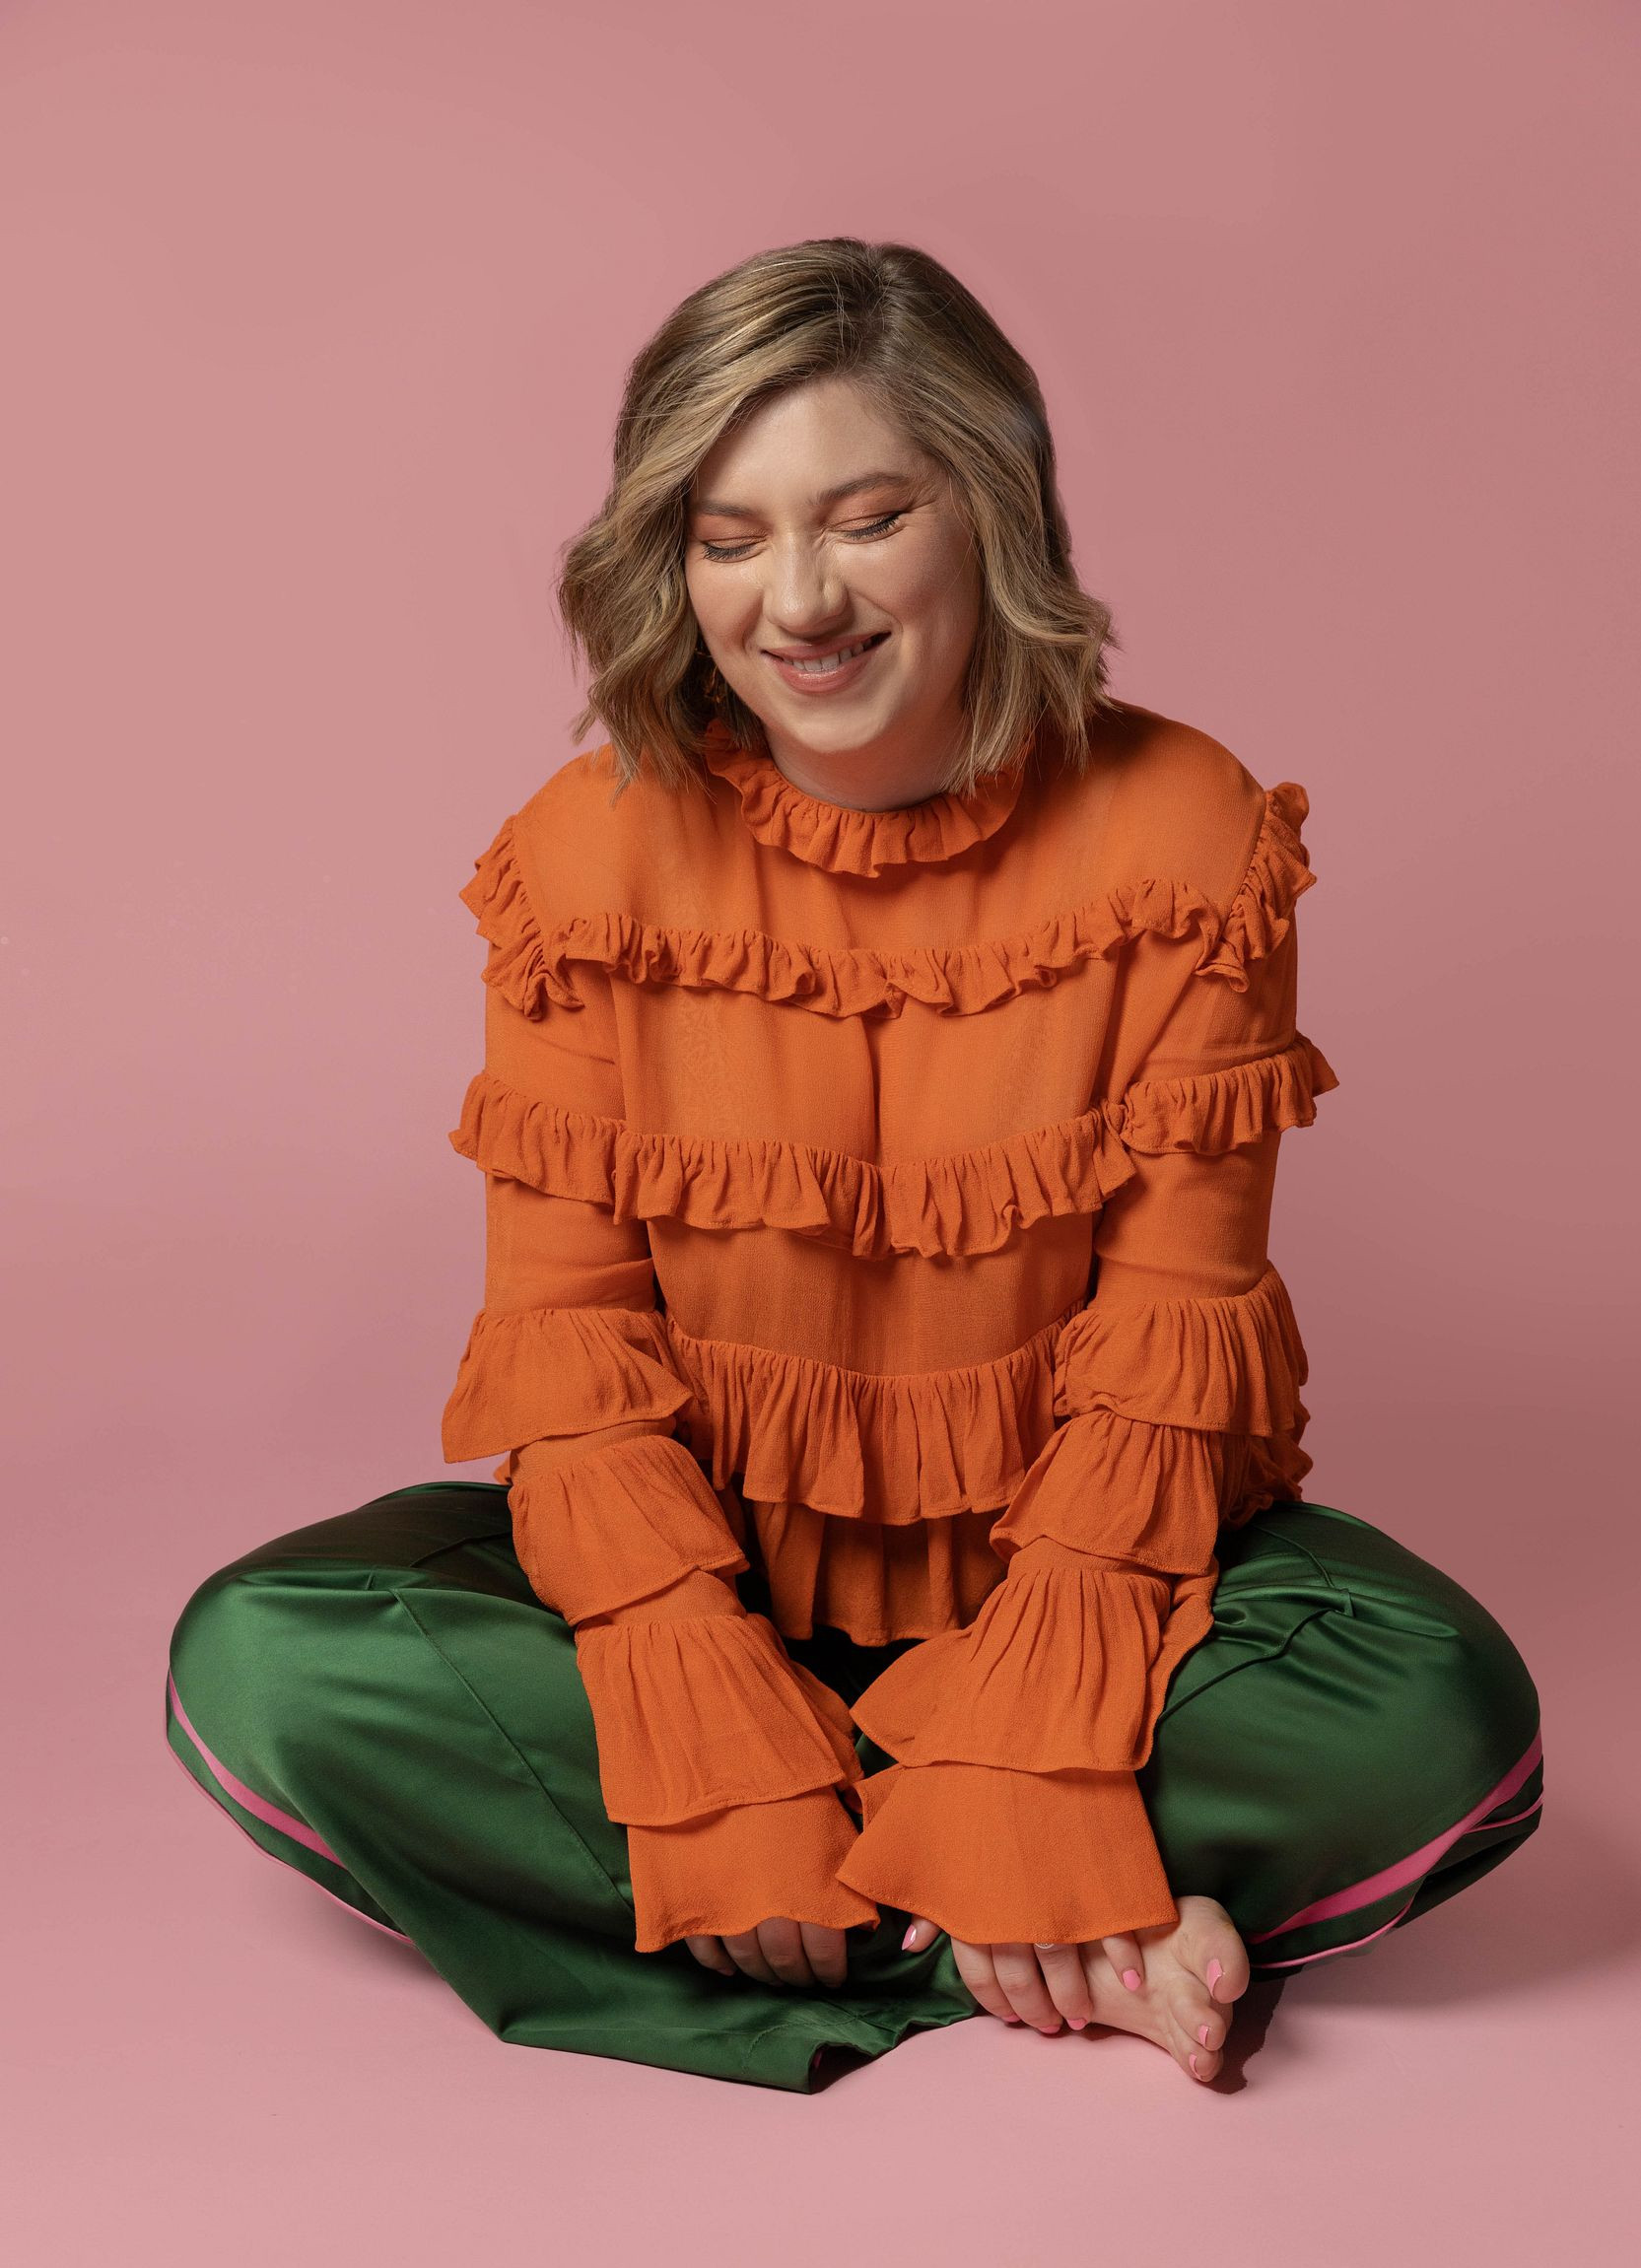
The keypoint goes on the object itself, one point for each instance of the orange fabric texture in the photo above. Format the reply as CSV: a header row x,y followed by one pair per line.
x,y
881,1200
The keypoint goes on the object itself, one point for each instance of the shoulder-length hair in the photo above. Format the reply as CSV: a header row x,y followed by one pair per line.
x,y
936,363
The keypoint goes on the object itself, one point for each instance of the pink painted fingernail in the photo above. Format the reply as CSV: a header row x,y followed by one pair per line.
x,y
1216,1973
1202,2035
1131,1978
907,1941
1195,2073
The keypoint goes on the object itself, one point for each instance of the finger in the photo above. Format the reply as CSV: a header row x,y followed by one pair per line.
x,y
783,1944
748,1956
827,1953
920,1937
1066,1982
709,1952
974,1967
1128,1959
1022,1980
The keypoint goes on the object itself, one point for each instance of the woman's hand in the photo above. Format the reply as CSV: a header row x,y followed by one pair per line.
x,y
1037,1984
778,1952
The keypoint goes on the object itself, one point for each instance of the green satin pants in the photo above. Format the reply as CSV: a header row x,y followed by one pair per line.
x,y
382,1702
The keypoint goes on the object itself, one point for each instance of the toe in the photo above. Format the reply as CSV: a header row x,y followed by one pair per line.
x,y
1197,2027
1201,2023
1211,1948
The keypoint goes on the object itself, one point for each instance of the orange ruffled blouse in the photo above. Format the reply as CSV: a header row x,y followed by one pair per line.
x,y
880,1200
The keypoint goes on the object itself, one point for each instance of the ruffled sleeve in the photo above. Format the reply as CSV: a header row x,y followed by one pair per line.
x,y
732,1768
1012,1811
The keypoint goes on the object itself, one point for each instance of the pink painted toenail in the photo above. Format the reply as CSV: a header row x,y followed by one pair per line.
x,y
1202,2035
1195,2073
1131,1977
1216,1973
1076,2021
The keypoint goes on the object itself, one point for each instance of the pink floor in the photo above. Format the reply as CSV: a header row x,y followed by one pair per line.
x,y
216,2064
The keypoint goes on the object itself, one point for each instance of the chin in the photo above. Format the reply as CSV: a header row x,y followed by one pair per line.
x,y
837,733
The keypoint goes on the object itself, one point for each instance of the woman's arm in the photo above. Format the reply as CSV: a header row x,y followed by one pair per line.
x,y
1012,1814
724,1758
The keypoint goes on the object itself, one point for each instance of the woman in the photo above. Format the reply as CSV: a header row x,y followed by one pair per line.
x,y
897,1599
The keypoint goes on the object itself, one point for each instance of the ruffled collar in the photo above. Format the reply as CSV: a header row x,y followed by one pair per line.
x,y
850,842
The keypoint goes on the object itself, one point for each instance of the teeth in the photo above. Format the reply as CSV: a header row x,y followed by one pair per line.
x,y
831,661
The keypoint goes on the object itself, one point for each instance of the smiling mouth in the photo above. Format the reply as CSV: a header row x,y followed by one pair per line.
x,y
821,665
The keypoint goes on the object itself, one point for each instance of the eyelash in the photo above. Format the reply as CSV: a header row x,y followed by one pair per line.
x,y
853,536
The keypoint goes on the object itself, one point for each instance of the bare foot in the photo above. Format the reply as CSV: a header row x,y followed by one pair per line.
x,y
1176,2006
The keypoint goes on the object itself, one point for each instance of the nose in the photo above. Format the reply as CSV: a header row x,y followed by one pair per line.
x,y
806,595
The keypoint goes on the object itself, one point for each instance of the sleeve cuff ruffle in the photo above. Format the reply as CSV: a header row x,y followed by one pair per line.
x,y
1065,1669
1153,1494
998,1857
706,1712
1230,1364
619,1525
725,1872
545,1371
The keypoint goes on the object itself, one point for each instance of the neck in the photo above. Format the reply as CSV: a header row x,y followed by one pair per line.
x,y
887,775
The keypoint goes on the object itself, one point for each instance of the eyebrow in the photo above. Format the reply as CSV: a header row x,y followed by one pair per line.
x,y
827,494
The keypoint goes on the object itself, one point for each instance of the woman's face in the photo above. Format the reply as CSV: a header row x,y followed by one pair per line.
x,y
813,527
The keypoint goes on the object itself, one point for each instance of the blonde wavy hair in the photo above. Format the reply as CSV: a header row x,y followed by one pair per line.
x,y
932,359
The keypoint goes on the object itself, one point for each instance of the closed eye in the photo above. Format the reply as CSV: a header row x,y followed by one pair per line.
x,y
868,535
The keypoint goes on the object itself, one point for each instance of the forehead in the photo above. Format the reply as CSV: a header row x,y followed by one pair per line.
x,y
793,443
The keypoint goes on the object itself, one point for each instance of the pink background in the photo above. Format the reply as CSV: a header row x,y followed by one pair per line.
x,y
316,318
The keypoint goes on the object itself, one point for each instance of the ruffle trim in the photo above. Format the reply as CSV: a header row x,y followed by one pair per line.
x,y
1151,1494
1065,1669
529,965
1233,1364
896,1448
1278,874
998,1857
1275,1475
1219,1110
541,1372
700,1714
901,1447
850,842
495,897
721,1874
618,1526
970,1202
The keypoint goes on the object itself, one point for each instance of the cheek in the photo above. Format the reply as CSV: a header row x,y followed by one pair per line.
x,y
700,597
934,598
722,606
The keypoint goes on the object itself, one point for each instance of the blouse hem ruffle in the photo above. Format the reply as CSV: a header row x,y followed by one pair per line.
x,y
789,1429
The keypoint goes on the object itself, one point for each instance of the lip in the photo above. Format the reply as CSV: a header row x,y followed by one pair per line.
x,y
833,680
